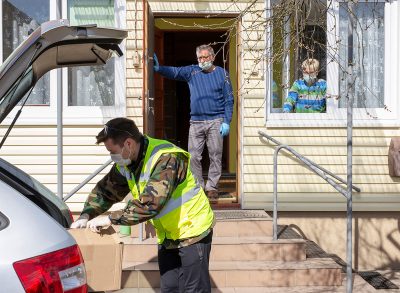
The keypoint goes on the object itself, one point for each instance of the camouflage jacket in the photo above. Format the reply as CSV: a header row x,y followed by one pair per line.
x,y
168,172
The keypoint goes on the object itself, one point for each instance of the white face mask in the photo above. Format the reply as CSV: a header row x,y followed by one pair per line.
x,y
119,159
309,78
205,65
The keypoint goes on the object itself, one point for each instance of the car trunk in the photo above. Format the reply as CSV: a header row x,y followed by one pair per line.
x,y
54,45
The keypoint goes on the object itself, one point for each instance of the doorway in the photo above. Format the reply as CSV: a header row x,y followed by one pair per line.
x,y
172,101
179,50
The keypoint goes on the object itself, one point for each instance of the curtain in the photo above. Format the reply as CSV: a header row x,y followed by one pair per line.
x,y
92,85
368,53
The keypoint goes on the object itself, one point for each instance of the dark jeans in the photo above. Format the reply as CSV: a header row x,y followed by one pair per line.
x,y
185,270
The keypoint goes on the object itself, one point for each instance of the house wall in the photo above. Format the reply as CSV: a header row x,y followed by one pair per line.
x,y
299,188
134,74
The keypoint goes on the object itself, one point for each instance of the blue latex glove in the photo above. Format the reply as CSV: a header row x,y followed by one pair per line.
x,y
156,65
224,130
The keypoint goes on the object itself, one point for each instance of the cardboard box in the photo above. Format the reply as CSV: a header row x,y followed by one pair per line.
x,y
102,254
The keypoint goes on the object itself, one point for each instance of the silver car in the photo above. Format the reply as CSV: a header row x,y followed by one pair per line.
x,y
37,254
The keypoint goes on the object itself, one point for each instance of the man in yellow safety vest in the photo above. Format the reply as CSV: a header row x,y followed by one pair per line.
x,y
166,193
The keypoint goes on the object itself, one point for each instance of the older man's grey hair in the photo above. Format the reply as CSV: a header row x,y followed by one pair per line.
x,y
204,47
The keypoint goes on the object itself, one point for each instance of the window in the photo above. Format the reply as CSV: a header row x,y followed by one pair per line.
x,y
295,37
95,91
368,53
91,94
19,20
375,54
92,85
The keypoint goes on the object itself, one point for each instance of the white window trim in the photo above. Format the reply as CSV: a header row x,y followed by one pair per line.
x,y
335,116
76,115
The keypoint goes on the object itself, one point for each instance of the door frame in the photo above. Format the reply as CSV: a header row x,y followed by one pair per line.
x,y
148,75
238,104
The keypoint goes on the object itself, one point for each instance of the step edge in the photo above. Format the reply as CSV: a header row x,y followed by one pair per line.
x,y
221,240
281,265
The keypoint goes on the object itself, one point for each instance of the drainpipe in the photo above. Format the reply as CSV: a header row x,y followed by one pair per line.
x,y
59,122
268,41
350,98
59,136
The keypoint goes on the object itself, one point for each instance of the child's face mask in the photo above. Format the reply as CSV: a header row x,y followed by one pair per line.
x,y
309,78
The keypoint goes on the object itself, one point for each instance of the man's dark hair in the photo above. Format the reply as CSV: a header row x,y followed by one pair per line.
x,y
119,129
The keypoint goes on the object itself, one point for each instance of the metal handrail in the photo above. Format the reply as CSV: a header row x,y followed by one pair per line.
x,y
90,177
317,169
323,173
308,160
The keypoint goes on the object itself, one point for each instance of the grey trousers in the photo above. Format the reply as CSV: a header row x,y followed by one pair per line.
x,y
206,132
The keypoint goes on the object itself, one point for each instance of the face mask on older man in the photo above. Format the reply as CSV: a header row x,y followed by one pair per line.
x,y
205,65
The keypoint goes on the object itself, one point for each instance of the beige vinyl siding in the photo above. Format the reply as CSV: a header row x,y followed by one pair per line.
x,y
299,188
134,75
34,150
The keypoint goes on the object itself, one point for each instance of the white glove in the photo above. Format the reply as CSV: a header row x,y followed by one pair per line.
x,y
80,222
98,223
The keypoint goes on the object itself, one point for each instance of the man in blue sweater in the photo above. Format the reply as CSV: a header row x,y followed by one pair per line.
x,y
211,107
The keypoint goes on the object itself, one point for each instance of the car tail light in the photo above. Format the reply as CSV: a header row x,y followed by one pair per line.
x,y
71,216
55,272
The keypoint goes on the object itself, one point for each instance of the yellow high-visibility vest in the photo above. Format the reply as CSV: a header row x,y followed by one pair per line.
x,y
188,212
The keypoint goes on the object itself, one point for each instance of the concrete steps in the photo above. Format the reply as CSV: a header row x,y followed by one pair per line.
x,y
243,228
243,257
360,286
312,272
227,226
226,249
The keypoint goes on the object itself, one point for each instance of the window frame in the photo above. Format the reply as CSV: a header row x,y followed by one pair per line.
x,y
75,115
335,116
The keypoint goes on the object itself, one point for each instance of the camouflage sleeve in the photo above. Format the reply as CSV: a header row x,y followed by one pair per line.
x,y
169,172
112,188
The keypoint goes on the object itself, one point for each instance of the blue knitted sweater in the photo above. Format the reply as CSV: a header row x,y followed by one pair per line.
x,y
211,94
